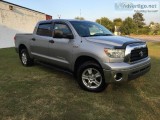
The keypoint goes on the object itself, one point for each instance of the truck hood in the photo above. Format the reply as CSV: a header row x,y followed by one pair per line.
x,y
112,40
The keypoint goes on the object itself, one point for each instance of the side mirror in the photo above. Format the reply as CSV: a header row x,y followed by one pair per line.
x,y
70,36
60,34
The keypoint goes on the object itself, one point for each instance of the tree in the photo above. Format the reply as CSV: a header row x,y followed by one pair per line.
x,y
155,28
128,26
117,22
151,23
139,20
79,18
106,22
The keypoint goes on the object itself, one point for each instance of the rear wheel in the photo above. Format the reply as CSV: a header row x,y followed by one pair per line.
x,y
90,77
25,58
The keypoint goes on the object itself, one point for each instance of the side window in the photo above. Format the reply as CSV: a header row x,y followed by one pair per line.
x,y
62,27
45,30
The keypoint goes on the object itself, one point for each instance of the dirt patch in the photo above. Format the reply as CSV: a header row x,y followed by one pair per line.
x,y
151,38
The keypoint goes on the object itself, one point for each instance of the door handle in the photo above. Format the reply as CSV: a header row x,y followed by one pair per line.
x,y
51,41
33,39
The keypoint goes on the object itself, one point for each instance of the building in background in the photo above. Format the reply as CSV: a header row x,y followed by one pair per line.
x,y
17,19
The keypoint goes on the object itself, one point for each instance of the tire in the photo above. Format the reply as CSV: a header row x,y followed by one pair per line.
x,y
90,77
25,58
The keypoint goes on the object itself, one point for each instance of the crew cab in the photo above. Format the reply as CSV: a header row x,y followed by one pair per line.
x,y
90,51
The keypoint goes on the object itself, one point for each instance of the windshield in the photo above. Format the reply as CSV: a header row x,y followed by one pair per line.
x,y
87,29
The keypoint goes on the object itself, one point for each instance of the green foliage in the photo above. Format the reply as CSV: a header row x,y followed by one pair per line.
x,y
106,22
151,33
139,20
151,23
158,33
128,26
155,28
144,31
135,25
117,22
79,18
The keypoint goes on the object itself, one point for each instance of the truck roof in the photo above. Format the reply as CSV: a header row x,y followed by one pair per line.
x,y
63,20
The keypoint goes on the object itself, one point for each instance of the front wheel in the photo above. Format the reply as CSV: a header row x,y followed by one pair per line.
x,y
90,77
25,58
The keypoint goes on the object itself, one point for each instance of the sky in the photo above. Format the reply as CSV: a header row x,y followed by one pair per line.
x,y
89,9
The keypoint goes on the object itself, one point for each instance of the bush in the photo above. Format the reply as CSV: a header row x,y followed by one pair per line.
x,y
158,33
144,31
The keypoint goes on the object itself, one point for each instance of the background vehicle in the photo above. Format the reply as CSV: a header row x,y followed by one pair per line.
x,y
87,49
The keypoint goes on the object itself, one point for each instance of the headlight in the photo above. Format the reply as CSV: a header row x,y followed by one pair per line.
x,y
115,53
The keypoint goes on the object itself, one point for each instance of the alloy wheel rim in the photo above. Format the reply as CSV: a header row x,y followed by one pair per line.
x,y
91,78
24,58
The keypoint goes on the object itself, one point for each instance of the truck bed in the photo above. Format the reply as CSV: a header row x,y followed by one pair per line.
x,y
23,39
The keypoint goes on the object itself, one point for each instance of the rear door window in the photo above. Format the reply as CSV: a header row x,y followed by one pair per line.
x,y
45,30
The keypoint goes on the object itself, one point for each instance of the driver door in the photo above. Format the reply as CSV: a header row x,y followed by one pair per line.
x,y
61,50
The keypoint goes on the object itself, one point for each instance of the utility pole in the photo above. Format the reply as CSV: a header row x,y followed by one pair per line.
x,y
80,13
59,16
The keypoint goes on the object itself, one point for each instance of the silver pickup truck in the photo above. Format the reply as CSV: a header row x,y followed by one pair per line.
x,y
90,51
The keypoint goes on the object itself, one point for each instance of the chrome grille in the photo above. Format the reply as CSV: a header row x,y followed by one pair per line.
x,y
138,54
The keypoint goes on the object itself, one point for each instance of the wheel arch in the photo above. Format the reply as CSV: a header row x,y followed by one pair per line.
x,y
21,46
81,59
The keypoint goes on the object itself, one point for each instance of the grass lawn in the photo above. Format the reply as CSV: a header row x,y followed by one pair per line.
x,y
43,93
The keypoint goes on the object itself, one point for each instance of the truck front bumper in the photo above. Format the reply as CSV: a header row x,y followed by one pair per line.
x,y
118,72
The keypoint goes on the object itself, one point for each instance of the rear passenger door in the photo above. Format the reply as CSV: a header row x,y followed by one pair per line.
x,y
40,41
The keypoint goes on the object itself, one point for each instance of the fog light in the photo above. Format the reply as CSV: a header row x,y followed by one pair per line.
x,y
118,76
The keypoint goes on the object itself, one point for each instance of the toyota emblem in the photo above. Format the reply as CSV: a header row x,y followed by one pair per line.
x,y
141,53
